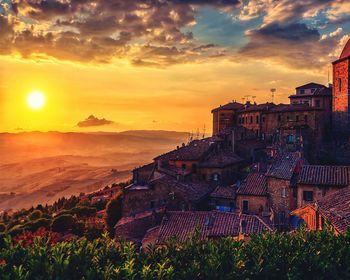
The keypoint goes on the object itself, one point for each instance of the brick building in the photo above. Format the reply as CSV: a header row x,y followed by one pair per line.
x,y
281,185
333,209
252,196
316,181
341,90
223,198
225,116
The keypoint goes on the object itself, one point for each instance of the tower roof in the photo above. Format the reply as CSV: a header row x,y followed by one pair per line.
x,y
346,51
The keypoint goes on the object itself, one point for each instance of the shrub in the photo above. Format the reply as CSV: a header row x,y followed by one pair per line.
x,y
39,223
78,228
84,211
113,212
62,223
35,215
2,227
17,229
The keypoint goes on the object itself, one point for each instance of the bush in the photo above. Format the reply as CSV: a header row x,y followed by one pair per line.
x,y
39,223
2,227
35,215
300,255
113,212
78,228
84,211
17,229
63,223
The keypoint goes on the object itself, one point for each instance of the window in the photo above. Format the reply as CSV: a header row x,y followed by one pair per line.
x,y
302,91
287,118
183,166
263,119
279,118
245,206
194,168
257,119
339,84
305,118
251,119
290,139
283,192
296,118
152,205
308,196
216,177
317,103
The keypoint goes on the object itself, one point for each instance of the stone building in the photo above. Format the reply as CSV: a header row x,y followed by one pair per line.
x,y
316,181
341,91
332,209
281,185
252,196
225,116
223,198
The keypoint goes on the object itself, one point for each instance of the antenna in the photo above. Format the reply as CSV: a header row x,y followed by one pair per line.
x,y
273,90
247,97
197,134
253,97
203,132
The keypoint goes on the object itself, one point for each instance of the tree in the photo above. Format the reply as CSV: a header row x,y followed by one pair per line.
x,y
63,223
84,211
35,215
114,212
2,227
39,223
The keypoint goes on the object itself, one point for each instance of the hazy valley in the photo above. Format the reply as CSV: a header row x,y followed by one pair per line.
x,y
40,167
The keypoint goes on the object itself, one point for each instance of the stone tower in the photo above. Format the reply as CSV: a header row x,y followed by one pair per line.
x,y
341,92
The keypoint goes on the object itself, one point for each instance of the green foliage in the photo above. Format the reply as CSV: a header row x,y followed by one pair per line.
x,y
78,228
63,223
300,255
35,215
113,212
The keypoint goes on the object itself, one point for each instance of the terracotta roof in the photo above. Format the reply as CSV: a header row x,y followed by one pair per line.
x,y
146,167
283,167
227,192
195,150
229,106
325,175
221,159
133,228
254,184
346,51
194,191
210,223
336,208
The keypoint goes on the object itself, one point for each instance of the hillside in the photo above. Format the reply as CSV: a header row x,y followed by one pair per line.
x,y
39,167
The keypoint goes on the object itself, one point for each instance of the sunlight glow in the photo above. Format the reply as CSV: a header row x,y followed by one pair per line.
x,y
36,100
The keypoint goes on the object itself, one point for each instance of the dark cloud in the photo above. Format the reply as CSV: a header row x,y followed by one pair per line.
x,y
294,45
93,121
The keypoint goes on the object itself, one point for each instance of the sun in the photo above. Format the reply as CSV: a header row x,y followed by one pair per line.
x,y
36,100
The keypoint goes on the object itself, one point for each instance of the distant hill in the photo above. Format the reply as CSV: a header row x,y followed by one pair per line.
x,y
40,167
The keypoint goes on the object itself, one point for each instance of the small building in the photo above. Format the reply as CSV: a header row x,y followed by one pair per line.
x,y
252,196
333,209
209,224
224,117
223,198
316,181
281,185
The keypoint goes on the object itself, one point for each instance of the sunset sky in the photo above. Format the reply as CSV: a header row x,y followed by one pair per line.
x,y
112,65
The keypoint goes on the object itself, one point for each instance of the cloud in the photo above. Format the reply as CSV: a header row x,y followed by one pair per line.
x,y
91,31
294,45
94,121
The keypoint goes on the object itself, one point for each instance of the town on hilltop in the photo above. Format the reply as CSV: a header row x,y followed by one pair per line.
x,y
266,166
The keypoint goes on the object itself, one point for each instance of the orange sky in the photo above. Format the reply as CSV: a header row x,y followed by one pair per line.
x,y
177,98
160,67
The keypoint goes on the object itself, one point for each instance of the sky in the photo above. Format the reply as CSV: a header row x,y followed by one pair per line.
x,y
113,65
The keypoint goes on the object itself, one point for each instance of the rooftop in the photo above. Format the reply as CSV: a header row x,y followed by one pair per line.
x,y
211,224
257,107
227,192
336,208
229,106
310,86
346,51
195,150
221,159
325,175
254,184
323,91
284,166
292,108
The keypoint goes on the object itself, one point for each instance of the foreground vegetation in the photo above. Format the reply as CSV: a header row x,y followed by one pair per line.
x,y
300,255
